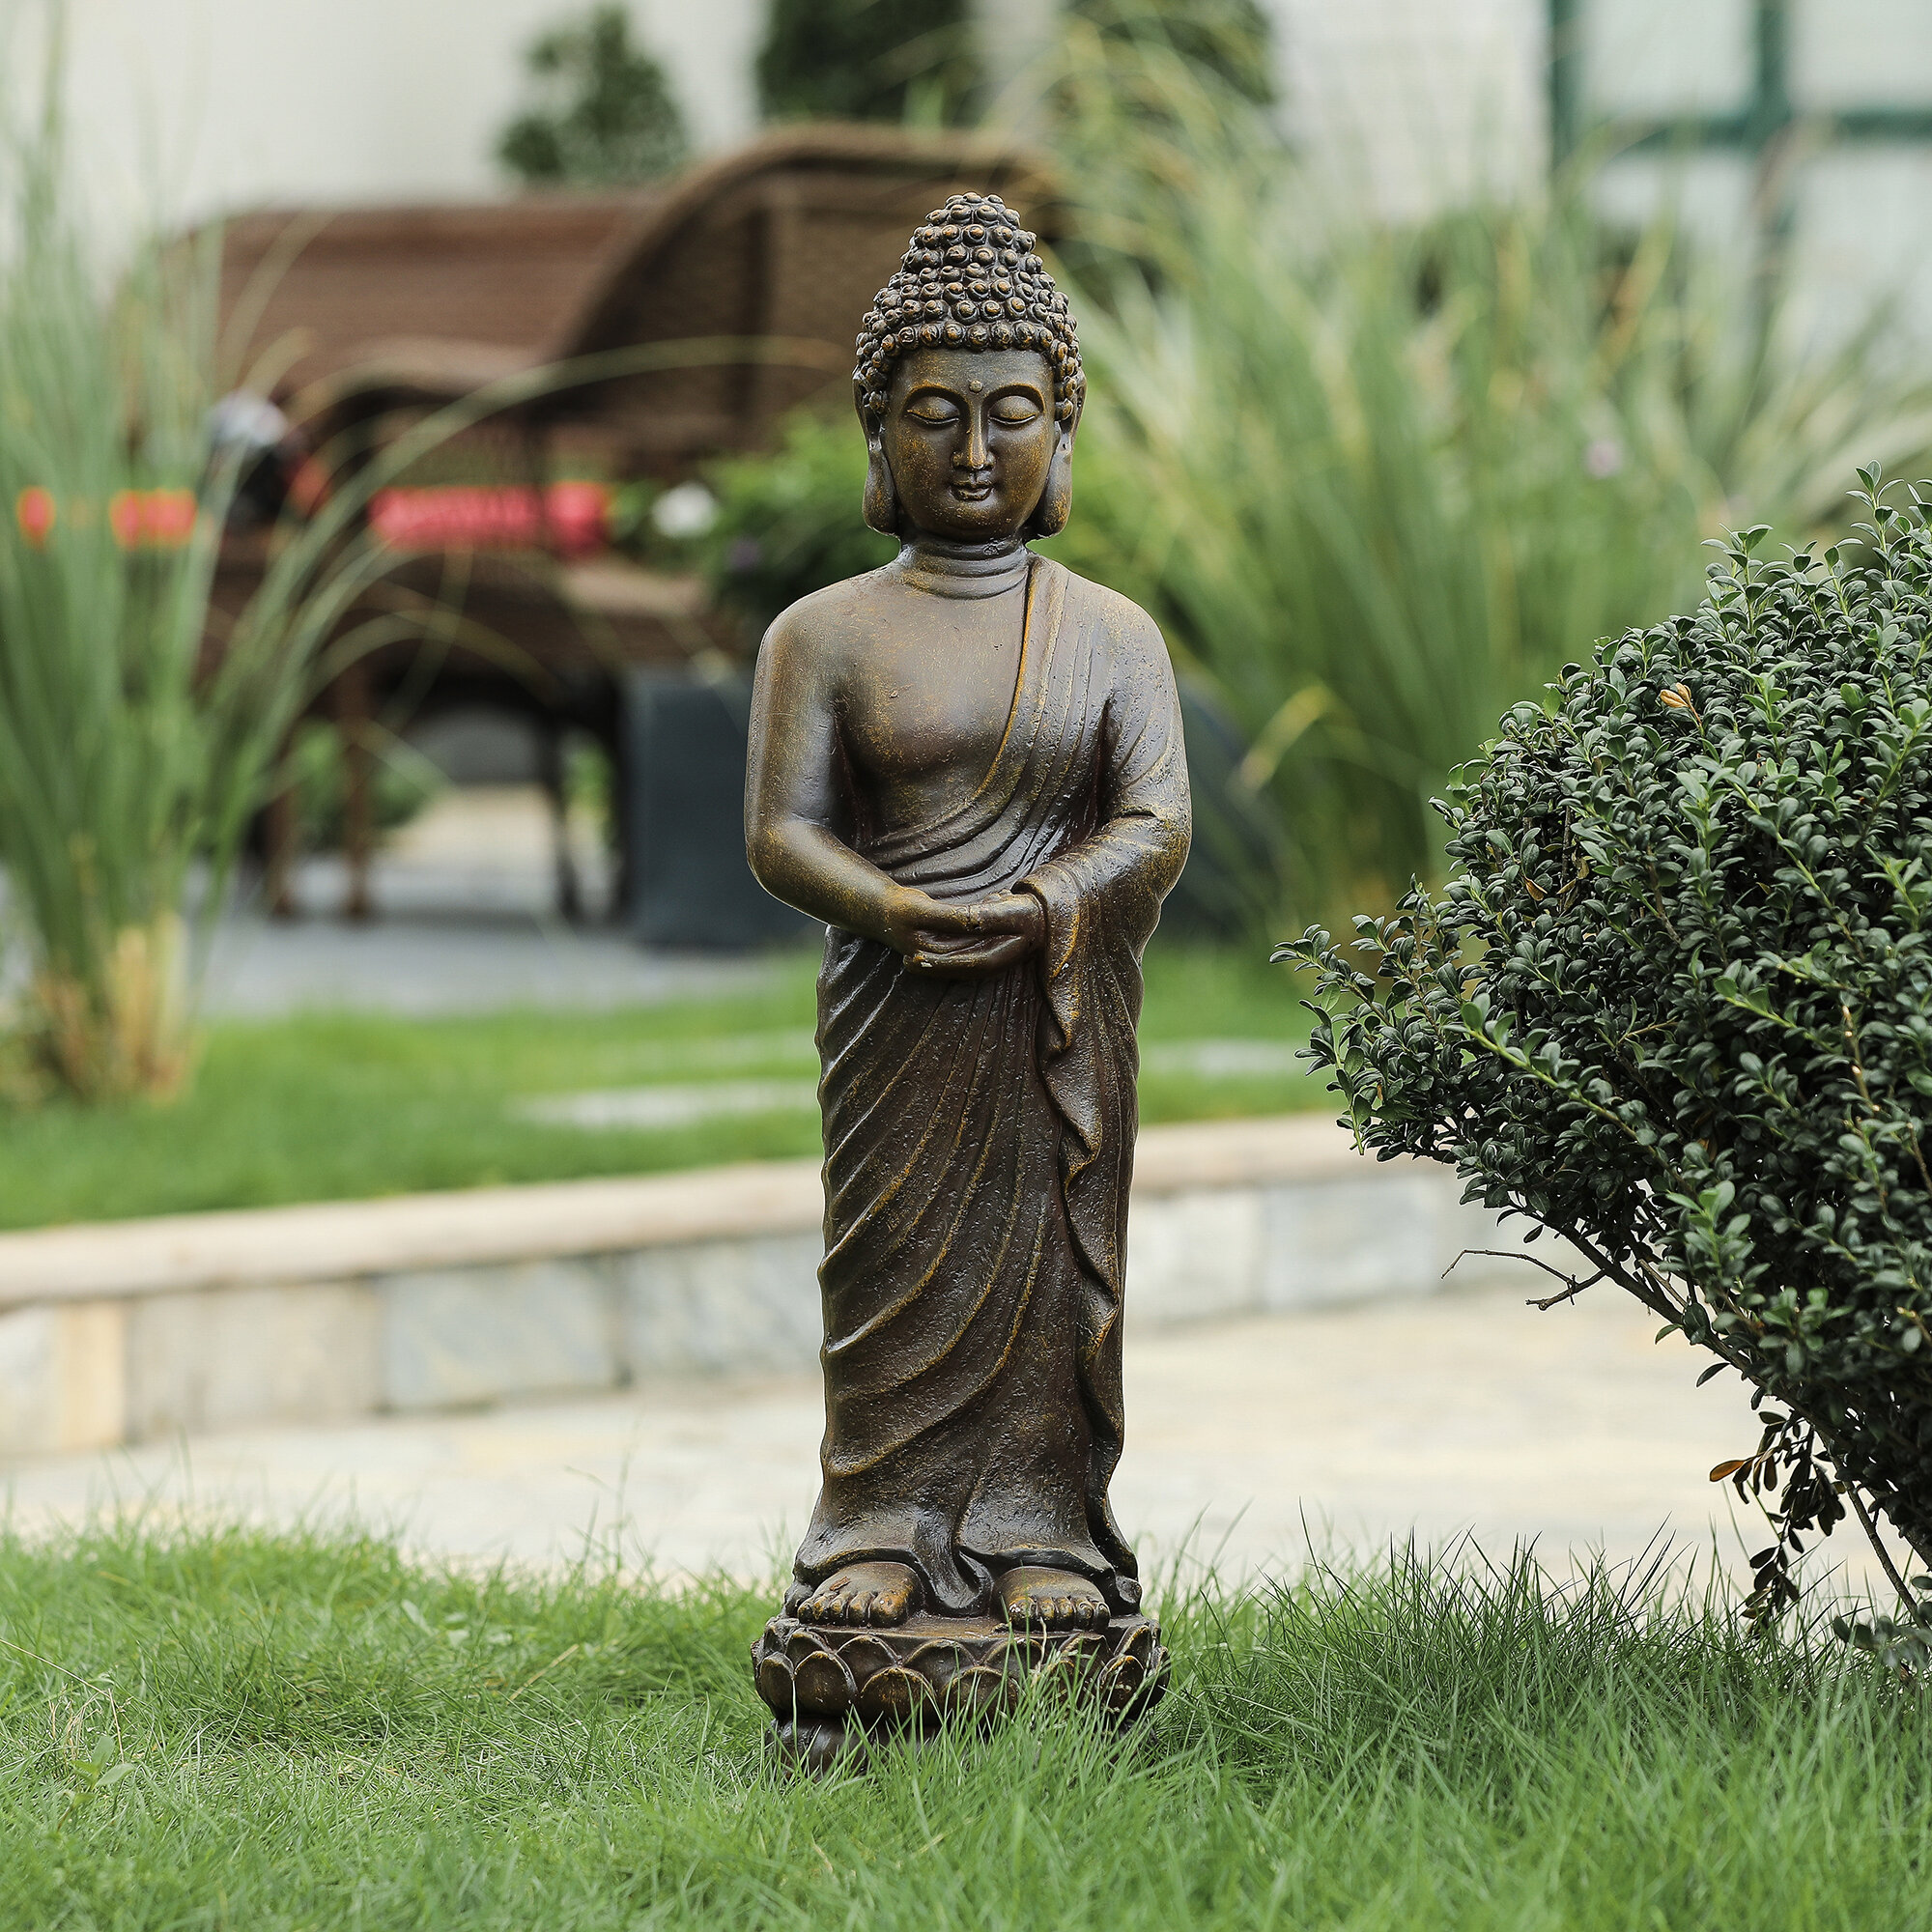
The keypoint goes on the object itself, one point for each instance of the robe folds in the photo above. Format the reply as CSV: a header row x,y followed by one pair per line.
x,y
980,1134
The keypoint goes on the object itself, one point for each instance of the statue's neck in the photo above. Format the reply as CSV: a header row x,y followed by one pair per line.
x,y
964,570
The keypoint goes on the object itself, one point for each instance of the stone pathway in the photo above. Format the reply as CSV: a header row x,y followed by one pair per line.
x,y
1247,1440
465,897
424,965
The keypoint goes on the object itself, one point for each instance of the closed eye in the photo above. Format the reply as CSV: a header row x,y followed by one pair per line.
x,y
1014,411
932,409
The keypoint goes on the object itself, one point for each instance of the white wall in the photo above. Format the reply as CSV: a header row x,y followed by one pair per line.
x,y
1401,107
184,106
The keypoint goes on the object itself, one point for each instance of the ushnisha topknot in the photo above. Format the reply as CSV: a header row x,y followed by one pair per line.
x,y
969,280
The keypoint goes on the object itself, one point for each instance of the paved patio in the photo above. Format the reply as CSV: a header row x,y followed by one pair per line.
x,y
1247,1440
465,897
427,963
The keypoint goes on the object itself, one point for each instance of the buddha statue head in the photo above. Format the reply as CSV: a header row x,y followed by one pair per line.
x,y
969,384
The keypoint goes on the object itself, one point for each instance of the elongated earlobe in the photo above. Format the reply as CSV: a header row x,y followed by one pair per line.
x,y
1056,500
882,500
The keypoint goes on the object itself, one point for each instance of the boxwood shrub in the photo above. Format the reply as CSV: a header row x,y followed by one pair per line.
x,y
1674,1003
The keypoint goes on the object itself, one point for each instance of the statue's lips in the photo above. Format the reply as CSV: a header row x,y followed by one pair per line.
x,y
971,493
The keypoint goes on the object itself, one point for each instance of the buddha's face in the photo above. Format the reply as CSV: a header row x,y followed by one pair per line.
x,y
970,435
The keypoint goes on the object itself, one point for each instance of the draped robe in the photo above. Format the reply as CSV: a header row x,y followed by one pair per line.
x,y
979,1140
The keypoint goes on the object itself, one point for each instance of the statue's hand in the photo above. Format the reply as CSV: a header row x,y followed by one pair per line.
x,y
915,922
978,937
969,960
1019,914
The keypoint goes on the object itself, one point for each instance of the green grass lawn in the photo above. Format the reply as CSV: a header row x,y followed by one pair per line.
x,y
329,1107
219,1729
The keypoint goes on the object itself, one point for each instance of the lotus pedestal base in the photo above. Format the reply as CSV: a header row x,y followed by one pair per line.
x,y
832,1690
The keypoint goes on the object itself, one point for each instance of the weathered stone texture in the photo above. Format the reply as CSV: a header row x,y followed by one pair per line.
x,y
711,1307
233,1357
453,1337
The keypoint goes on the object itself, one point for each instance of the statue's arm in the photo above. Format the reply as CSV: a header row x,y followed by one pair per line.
x,y
1139,843
794,809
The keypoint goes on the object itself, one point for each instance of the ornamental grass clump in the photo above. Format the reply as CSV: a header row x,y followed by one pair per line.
x,y
1674,1004
109,770
139,726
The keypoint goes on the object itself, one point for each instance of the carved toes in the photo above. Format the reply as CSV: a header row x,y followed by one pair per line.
x,y
1038,1597
841,1606
877,1594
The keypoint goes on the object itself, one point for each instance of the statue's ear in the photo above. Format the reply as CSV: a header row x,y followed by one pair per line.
x,y
882,499
1056,500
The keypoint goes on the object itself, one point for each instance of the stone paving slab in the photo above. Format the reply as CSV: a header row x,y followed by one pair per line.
x,y
1467,1412
424,965
467,921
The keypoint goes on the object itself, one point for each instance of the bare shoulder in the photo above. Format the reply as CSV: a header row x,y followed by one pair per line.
x,y
818,634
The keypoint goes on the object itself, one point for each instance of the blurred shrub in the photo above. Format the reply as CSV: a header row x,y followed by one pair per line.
x,y
606,114
402,781
867,60
1675,1001
790,522
1228,41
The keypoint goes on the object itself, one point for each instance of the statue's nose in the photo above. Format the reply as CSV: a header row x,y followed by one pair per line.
x,y
974,455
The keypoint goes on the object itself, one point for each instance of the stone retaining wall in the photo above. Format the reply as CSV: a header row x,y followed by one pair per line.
x,y
124,1331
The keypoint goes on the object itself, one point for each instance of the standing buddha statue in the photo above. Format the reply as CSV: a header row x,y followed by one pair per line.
x,y
969,765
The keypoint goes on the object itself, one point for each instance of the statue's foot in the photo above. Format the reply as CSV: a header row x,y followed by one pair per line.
x,y
1037,1598
863,1593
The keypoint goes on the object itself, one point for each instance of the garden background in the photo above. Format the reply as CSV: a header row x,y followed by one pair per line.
x,y
1427,348
1427,345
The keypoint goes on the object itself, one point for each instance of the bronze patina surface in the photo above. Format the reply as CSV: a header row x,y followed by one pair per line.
x,y
969,765
831,1689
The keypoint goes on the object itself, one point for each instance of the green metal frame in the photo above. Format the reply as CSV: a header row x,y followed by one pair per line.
x,y
1767,121
1768,129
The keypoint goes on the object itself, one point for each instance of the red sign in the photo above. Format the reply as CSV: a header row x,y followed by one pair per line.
x,y
571,519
